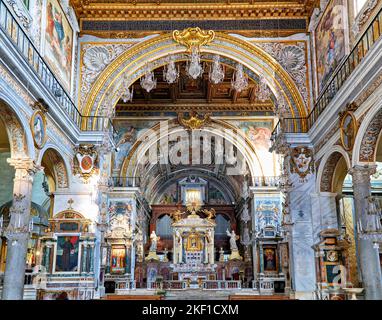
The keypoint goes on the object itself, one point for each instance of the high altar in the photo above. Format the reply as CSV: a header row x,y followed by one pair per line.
x,y
193,251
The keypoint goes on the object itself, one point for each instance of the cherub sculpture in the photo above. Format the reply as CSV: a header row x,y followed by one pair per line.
x,y
176,215
210,213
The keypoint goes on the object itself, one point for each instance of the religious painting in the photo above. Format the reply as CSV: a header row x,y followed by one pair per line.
x,y
216,196
170,195
38,128
118,259
269,259
330,41
258,133
58,46
67,254
348,131
129,133
194,242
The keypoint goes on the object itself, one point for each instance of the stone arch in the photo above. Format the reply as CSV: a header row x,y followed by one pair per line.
x,y
105,92
328,166
18,130
58,164
368,136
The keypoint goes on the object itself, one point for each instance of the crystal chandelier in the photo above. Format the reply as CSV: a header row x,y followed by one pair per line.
x,y
148,81
217,72
170,73
239,80
371,229
263,93
194,67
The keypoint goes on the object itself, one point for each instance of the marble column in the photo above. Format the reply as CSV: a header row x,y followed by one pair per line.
x,y
91,258
47,252
302,260
17,232
84,257
368,255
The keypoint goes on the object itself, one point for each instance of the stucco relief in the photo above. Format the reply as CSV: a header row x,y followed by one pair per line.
x,y
363,16
292,59
21,12
370,139
328,172
15,131
95,58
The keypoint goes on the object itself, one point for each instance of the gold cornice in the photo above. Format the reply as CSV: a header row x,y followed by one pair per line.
x,y
90,10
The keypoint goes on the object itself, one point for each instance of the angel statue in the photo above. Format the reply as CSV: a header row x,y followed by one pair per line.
x,y
210,213
232,239
154,241
177,215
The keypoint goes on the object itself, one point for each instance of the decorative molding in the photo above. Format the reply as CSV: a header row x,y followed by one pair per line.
x,y
95,57
370,139
193,38
292,57
363,16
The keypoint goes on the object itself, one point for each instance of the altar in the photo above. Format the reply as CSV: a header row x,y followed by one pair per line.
x,y
193,250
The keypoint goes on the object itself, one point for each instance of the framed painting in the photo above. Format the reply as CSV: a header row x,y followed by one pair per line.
x,y
269,259
58,42
67,254
348,127
331,41
118,259
38,128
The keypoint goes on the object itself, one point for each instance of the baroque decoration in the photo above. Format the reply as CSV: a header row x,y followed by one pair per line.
x,y
85,161
301,161
370,138
194,121
291,56
193,38
348,127
95,58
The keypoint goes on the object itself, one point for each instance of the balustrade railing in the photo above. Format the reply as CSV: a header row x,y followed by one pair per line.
x,y
266,181
16,34
365,43
125,181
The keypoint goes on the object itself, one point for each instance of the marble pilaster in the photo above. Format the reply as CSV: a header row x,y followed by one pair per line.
x,y
17,232
368,254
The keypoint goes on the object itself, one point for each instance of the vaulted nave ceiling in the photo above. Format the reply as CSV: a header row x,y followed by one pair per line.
x,y
122,19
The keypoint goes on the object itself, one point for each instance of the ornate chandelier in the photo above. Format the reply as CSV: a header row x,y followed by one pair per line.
x,y
148,81
217,72
239,80
263,93
371,228
170,73
194,68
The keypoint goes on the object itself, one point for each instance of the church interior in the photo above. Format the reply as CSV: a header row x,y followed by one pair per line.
x,y
181,149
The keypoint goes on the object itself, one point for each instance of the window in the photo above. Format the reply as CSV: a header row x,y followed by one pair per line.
x,y
358,5
26,3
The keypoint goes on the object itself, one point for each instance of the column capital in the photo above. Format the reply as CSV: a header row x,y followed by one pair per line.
x,y
361,174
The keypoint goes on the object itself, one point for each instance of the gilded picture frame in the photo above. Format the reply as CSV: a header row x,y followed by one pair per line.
x,y
38,128
348,130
